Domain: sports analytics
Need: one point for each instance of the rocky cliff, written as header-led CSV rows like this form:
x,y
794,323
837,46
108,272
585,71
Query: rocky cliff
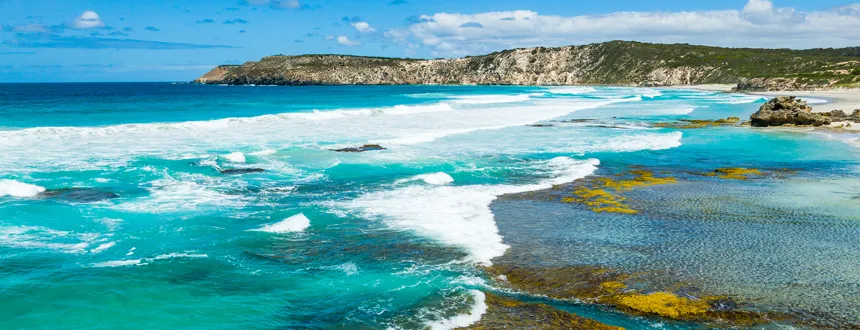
x,y
610,63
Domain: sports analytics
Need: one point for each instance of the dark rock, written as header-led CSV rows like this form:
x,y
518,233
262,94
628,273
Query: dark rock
x,y
79,195
835,114
578,120
366,147
237,171
541,125
506,313
787,110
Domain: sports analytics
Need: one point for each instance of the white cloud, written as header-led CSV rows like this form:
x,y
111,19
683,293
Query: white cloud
x,y
397,35
758,24
363,27
88,20
343,40
30,28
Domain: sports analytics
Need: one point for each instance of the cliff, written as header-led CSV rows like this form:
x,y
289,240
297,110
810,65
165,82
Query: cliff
x,y
610,63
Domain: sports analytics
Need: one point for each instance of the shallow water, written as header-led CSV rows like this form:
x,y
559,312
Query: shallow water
x,y
154,235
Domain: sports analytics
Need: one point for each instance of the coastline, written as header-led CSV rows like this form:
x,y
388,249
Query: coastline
x,y
846,100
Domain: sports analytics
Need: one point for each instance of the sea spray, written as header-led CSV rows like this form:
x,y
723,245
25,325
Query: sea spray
x,y
293,224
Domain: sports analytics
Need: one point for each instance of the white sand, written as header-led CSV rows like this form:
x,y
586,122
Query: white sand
x,y
709,87
843,99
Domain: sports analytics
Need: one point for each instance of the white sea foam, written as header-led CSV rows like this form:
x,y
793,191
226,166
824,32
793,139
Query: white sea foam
x,y
32,237
236,157
460,215
293,224
118,263
103,247
180,255
463,320
19,189
146,261
490,99
266,152
814,101
571,90
172,195
440,178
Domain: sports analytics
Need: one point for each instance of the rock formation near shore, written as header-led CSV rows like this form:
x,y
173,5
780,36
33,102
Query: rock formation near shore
x,y
790,110
610,63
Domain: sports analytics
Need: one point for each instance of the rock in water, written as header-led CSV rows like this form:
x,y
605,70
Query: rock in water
x,y
237,171
366,147
787,110
79,195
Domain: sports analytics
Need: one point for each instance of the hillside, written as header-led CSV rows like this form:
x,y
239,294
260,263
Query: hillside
x,y
610,63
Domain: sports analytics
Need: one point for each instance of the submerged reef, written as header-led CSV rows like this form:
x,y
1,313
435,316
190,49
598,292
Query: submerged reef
x,y
630,293
506,313
602,194
697,123
735,173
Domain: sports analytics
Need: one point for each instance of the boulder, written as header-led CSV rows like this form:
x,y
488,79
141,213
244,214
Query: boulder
x,y
366,147
787,110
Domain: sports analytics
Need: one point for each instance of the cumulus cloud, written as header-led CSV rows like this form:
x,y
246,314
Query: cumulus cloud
x,y
758,24
363,27
343,40
88,20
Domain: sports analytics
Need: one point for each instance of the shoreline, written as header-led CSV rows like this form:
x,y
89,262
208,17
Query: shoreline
x,y
839,99
846,100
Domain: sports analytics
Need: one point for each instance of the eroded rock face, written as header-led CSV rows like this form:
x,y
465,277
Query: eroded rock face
x,y
787,110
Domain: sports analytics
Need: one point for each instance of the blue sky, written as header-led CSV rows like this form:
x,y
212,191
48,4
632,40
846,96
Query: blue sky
x,y
158,40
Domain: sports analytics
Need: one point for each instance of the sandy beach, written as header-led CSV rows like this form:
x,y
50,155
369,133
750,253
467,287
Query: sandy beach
x,y
844,99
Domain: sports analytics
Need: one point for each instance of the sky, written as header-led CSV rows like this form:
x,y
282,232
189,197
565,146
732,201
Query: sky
x,y
178,40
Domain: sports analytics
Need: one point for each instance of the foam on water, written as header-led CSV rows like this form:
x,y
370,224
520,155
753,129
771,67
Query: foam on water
x,y
31,237
440,178
19,189
236,157
463,320
266,152
572,90
460,215
293,224
490,99
172,195
146,261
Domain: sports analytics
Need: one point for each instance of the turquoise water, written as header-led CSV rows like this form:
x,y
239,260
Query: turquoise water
x,y
113,212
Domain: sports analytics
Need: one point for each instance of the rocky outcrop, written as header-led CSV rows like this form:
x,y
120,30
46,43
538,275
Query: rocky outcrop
x,y
787,110
610,63
366,147
839,115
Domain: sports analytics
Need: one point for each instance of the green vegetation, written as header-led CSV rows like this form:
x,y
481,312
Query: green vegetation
x,y
609,63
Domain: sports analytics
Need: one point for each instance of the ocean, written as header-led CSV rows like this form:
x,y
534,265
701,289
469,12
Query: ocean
x,y
156,205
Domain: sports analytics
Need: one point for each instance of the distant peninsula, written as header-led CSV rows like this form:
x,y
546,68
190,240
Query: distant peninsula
x,y
619,63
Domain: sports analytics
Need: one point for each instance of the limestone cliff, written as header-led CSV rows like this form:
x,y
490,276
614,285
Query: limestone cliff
x,y
610,63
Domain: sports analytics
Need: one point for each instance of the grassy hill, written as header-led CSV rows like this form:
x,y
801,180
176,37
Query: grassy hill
x,y
610,63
